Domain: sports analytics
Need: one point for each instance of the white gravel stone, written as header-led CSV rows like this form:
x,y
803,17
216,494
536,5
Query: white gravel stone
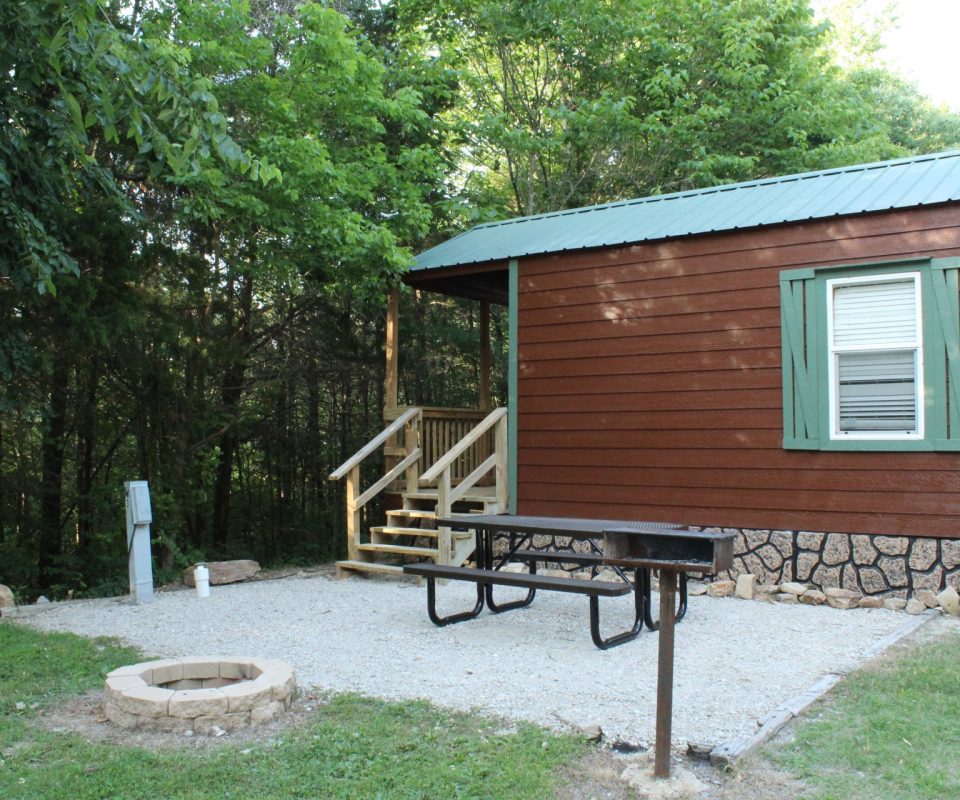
x,y
536,664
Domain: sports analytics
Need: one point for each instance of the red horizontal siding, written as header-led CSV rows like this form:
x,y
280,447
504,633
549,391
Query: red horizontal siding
x,y
649,386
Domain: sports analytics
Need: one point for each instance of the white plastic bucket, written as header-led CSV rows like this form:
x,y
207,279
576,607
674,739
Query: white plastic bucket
x,y
201,577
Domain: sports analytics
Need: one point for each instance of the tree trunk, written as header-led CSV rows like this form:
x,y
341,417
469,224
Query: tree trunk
x,y
86,438
51,480
231,393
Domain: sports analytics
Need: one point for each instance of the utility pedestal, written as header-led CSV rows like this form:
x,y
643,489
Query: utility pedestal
x,y
139,518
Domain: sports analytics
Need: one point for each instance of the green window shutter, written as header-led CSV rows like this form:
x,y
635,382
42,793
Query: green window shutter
x,y
798,327
943,352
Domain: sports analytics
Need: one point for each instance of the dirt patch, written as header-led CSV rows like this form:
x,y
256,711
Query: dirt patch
x,y
84,717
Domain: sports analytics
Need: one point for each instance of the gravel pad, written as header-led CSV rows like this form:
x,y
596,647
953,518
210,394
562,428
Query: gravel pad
x,y
735,660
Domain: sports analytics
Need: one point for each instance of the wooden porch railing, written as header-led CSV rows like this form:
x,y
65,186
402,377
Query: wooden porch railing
x,y
409,422
450,491
441,429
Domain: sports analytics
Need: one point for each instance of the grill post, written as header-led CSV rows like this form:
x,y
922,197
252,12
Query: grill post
x,y
668,590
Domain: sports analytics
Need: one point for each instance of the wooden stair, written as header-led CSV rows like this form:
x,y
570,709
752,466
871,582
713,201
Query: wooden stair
x,y
410,534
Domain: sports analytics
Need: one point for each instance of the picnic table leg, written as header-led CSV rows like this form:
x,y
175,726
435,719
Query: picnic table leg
x,y
668,588
639,604
461,617
498,608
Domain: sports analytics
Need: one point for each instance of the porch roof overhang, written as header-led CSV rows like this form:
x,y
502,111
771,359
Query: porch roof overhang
x,y
487,281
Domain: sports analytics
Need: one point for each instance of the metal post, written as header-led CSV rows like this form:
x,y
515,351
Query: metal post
x,y
139,517
668,591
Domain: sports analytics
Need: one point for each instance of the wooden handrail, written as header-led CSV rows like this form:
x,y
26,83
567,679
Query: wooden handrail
x,y
462,446
373,444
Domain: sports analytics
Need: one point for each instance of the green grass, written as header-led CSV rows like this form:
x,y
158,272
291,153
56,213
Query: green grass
x,y
891,732
354,748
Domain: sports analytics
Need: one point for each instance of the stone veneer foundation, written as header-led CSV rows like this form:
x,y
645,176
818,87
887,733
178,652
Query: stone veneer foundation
x,y
882,566
203,695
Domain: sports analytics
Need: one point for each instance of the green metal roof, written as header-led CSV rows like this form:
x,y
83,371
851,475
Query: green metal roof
x,y
861,189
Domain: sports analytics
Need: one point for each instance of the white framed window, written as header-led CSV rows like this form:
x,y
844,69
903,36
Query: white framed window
x,y
875,357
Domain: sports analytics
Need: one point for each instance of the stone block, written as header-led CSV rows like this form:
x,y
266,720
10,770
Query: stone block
x,y
872,580
166,671
827,577
744,587
771,557
721,588
864,553
200,667
842,598
283,690
792,587
871,602
813,597
810,541
806,564
895,603
915,606
928,598
6,597
236,668
836,549
765,591
891,545
114,686
848,578
248,694
894,569
222,572
134,670
198,703
787,597
950,553
949,600
932,580
267,712
783,541
123,718
223,722
923,554
147,701
696,589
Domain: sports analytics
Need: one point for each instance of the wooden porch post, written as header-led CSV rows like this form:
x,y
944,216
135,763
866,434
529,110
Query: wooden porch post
x,y
485,355
393,347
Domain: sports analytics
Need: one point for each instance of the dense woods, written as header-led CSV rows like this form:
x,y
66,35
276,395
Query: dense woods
x,y
204,202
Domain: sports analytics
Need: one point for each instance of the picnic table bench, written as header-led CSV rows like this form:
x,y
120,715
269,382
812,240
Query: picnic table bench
x,y
520,530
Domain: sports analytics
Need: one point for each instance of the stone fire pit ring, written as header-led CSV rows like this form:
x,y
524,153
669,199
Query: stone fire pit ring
x,y
202,695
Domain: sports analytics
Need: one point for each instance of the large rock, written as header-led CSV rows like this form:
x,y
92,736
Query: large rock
x,y
949,601
6,597
813,597
744,588
720,588
915,607
790,587
224,571
842,598
928,598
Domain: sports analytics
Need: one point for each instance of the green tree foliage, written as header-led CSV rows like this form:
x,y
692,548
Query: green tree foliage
x,y
572,102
